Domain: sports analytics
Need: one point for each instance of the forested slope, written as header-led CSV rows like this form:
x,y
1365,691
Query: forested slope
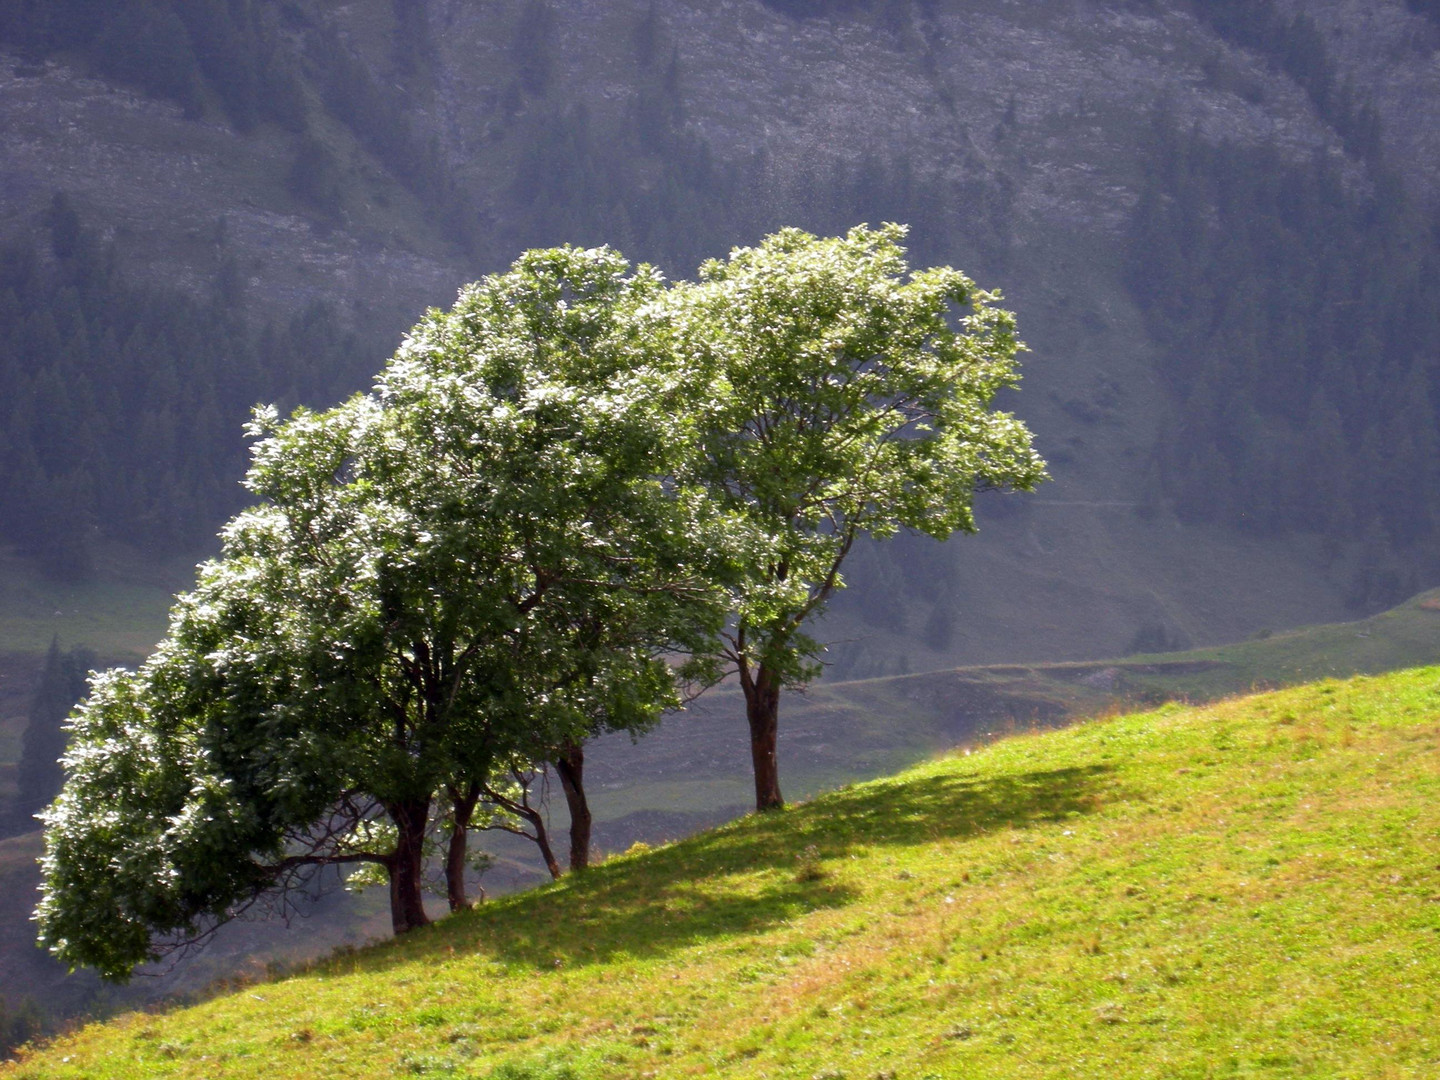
x,y
1215,221
1211,217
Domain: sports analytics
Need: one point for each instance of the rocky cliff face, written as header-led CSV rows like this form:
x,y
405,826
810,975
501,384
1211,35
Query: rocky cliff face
x,y
1392,54
176,194
1031,119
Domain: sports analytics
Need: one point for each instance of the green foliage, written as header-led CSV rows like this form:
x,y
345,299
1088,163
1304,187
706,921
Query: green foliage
x,y
566,476
846,396
477,565
112,842
846,403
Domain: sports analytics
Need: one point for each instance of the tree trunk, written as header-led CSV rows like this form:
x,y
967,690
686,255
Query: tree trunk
x,y
762,709
525,812
542,841
570,765
462,807
406,865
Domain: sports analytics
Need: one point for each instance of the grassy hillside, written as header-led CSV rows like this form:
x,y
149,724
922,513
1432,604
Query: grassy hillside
x,y
119,614
1248,888
842,732
691,774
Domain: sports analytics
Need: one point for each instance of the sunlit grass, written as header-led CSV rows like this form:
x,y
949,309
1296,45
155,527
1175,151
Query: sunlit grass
x,y
1246,889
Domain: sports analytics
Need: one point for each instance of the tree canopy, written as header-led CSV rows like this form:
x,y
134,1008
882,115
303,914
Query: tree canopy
x,y
472,565
846,395
556,493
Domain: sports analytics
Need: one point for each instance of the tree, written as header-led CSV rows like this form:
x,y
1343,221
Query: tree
x,y
843,394
461,572
256,743
628,562
147,45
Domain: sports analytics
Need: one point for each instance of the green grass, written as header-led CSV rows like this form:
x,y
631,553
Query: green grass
x,y
1243,889
842,732
1404,636
1407,635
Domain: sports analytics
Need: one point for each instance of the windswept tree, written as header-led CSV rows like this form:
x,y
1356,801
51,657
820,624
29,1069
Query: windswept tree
x,y
845,395
560,485
465,570
623,566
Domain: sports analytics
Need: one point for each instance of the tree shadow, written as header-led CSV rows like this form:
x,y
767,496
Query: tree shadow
x,y
682,894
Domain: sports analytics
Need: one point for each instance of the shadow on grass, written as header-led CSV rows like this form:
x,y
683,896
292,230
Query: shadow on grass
x,y
744,877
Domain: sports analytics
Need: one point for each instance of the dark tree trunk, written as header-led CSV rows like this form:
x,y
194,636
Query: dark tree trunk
x,y
542,841
762,709
525,812
570,765
406,865
463,806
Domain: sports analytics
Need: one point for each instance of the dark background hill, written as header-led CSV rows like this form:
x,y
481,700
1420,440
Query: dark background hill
x,y
1216,220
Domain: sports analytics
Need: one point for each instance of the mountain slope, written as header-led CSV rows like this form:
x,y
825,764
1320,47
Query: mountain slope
x,y
429,141
1247,888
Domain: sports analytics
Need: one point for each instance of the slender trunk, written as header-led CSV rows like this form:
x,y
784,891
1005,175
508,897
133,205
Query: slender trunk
x,y
542,841
570,765
762,710
525,812
462,807
405,866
